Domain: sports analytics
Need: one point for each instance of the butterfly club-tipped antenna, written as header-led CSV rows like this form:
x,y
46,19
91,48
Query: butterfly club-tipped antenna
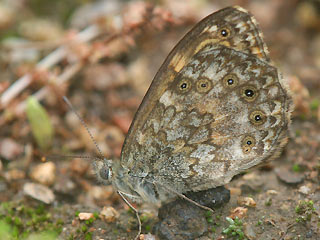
x,y
83,124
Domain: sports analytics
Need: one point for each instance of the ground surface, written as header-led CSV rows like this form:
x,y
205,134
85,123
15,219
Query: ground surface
x,y
105,79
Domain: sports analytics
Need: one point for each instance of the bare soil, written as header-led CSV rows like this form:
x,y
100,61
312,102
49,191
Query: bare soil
x,y
278,201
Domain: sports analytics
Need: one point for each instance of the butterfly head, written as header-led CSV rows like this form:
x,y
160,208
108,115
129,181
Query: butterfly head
x,y
103,169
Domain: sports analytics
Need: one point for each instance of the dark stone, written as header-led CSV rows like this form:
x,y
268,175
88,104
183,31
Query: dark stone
x,y
181,219
212,198
309,234
289,177
252,185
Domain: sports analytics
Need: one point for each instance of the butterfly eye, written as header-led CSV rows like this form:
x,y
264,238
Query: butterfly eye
x,y
257,117
203,85
184,85
104,173
247,143
230,81
249,93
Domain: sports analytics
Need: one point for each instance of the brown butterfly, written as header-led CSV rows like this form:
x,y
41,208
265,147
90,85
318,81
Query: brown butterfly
x,y
216,107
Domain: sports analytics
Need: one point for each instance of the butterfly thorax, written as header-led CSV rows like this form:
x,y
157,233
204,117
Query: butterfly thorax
x,y
138,188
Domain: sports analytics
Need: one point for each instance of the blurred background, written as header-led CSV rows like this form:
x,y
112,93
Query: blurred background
x,y
103,56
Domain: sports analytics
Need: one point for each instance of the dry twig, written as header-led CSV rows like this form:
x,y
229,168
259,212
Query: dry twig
x,y
97,50
16,88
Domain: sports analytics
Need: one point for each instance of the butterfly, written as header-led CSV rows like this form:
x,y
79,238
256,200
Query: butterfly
x,y
216,107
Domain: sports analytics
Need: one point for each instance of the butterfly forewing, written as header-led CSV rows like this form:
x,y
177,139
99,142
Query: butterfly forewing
x,y
243,35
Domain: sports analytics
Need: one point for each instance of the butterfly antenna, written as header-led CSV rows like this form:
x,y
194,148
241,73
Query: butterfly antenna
x,y
84,124
69,156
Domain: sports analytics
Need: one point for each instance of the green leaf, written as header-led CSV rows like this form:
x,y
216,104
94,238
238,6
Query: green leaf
x,y
230,220
5,230
41,126
47,235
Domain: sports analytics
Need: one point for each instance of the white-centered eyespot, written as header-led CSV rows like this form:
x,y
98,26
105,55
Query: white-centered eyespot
x,y
230,81
247,143
257,117
203,85
249,93
184,85
224,32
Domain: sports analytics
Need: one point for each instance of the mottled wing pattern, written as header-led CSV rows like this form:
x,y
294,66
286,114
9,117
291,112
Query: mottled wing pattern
x,y
243,36
215,108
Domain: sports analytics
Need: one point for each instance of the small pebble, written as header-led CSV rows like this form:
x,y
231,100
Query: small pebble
x,y
14,174
109,214
44,173
85,216
289,177
272,192
239,212
246,201
147,237
304,190
39,192
10,149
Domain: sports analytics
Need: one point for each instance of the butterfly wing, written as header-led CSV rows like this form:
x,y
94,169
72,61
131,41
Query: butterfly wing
x,y
243,35
215,107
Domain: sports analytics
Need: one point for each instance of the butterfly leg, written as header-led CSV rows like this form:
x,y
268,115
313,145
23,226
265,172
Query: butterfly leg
x,y
135,210
183,197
